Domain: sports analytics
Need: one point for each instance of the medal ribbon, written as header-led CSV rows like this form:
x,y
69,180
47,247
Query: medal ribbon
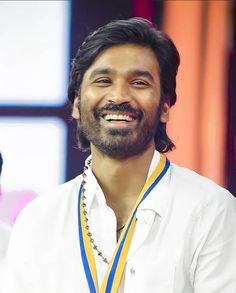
x,y
116,266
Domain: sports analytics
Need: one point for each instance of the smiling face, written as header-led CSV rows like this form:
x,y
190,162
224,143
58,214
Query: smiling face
x,y
119,101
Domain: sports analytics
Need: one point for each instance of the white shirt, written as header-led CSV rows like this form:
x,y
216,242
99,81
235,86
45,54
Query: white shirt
x,y
5,231
184,240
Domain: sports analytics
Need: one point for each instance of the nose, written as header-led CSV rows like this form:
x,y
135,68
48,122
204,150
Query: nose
x,y
119,93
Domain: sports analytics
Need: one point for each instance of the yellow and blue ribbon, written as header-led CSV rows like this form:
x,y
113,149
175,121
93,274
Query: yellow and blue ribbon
x,y
116,266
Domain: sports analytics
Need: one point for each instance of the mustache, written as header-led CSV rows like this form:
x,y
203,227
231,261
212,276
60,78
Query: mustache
x,y
118,108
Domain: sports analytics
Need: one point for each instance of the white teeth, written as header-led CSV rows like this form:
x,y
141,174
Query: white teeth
x,y
118,117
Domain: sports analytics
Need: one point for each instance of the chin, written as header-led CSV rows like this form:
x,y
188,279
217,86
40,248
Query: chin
x,y
122,150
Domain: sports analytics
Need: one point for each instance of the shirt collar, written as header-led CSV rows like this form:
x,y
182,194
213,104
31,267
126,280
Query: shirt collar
x,y
93,192
158,199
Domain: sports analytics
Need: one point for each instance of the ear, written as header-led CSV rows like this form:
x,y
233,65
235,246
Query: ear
x,y
75,110
164,117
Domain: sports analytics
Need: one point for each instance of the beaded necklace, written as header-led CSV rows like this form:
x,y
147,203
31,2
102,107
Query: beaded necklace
x,y
85,212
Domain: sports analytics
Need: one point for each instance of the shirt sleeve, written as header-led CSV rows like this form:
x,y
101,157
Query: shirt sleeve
x,y
214,261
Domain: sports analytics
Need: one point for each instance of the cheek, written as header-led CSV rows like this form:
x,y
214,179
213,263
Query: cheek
x,y
93,94
153,112
148,98
151,106
87,107
87,100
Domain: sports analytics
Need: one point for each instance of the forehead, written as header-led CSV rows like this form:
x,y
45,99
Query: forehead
x,y
126,57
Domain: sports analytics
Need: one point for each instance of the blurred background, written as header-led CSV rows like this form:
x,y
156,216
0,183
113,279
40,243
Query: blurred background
x,y
37,134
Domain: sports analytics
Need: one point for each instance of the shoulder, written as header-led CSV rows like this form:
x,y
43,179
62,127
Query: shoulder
x,y
198,191
44,219
52,199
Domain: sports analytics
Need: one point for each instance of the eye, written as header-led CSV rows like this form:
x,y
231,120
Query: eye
x,y
140,83
102,81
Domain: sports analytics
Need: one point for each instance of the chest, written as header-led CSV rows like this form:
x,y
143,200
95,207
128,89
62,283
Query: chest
x,y
156,261
157,258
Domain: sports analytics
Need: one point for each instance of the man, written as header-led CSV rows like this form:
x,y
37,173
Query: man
x,y
132,222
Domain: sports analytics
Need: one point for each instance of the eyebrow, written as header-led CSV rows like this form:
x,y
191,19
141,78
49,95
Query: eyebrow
x,y
144,73
100,71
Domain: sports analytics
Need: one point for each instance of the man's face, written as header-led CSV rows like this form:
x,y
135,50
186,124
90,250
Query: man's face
x,y
119,103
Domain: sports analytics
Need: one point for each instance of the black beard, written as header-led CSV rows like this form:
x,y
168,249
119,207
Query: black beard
x,y
117,149
126,150
118,143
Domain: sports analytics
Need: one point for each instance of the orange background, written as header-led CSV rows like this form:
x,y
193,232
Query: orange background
x,y
198,120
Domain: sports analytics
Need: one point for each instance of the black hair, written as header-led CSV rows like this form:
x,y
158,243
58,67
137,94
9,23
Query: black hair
x,y
1,162
136,31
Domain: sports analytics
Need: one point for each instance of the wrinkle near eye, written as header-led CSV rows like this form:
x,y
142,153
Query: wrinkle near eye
x,y
102,80
140,83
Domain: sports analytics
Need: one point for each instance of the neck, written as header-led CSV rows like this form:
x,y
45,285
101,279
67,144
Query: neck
x,y
121,180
